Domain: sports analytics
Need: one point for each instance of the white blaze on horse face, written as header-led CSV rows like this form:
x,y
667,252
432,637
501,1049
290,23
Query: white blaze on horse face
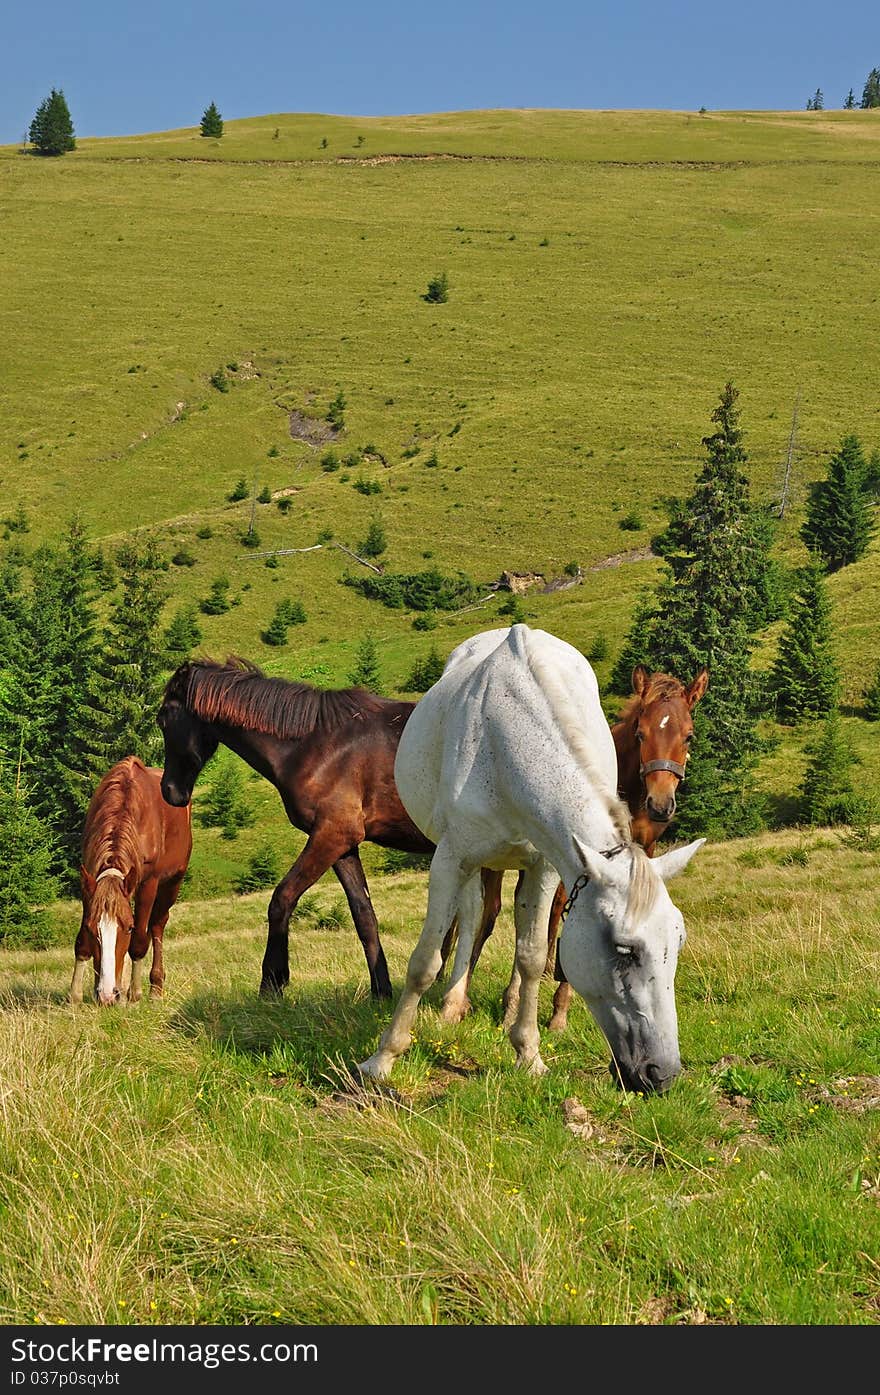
x,y
663,721
108,929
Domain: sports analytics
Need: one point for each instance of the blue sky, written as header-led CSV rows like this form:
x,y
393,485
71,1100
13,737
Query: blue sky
x,y
156,65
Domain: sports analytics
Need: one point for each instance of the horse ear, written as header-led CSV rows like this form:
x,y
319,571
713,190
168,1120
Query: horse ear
x,y
87,881
640,678
697,688
670,864
597,867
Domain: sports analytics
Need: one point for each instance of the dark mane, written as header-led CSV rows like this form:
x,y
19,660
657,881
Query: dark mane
x,y
660,687
237,693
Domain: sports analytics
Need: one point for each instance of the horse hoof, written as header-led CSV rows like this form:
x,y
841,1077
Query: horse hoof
x,y
374,1068
534,1066
271,990
557,1023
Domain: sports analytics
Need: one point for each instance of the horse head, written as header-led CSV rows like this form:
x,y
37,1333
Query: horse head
x,y
189,743
108,920
620,952
662,726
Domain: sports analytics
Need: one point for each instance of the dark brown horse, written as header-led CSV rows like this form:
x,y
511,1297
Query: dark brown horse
x,y
134,846
330,755
652,737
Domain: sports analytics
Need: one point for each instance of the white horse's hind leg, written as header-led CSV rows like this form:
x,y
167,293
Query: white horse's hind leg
x,y
444,888
531,914
470,910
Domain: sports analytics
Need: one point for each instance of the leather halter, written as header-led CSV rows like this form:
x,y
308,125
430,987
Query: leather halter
x,y
584,878
671,765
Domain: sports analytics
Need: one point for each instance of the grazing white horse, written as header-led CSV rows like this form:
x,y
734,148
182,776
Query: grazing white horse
x,y
508,762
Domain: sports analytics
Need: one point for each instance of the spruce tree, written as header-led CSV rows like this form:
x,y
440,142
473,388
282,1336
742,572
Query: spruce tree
x,y
871,478
182,635
872,699
635,647
424,673
62,625
225,804
365,673
827,794
26,881
838,524
871,90
805,678
375,543
276,631
702,617
51,130
849,101
212,122
127,682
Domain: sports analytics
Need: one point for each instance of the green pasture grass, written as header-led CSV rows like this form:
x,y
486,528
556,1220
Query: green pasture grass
x,y
604,285
573,136
203,1159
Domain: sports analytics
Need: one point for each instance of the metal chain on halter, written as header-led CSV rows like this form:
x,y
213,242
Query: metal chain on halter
x,y
582,882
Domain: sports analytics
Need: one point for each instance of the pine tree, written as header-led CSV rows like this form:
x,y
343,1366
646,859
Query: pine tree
x,y
424,673
635,646
871,90
182,635
262,871
13,648
212,122
871,478
838,524
827,794
872,699
225,804
51,130
276,631
375,543
702,610
62,626
26,881
849,100
365,673
128,678
805,677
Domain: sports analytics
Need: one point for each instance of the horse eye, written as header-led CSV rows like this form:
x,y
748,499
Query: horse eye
x,y
626,955
689,738
640,736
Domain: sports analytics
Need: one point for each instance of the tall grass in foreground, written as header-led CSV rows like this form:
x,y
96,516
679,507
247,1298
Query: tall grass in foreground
x,y
200,1160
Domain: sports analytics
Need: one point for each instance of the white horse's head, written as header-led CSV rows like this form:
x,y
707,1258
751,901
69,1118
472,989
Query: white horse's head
x,y
619,951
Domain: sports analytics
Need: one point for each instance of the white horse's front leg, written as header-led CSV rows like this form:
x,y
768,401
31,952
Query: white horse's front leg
x,y
470,911
444,889
531,914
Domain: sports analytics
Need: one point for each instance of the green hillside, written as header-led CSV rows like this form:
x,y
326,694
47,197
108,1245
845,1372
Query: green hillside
x,y
609,271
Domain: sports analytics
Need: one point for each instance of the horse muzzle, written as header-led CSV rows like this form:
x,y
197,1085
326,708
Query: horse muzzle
x,y
173,795
647,1079
107,999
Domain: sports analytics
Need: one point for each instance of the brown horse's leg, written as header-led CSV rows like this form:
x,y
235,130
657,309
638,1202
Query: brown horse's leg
x,y
351,876
165,899
563,995
82,953
491,880
144,900
319,853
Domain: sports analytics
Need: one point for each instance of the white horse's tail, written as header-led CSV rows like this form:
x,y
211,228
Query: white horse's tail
x,y
560,705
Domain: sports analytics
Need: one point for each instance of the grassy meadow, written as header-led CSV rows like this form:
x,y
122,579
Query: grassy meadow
x,y
203,1159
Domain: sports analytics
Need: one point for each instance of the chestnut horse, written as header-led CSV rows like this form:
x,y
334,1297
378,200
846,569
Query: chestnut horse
x,y
652,737
134,845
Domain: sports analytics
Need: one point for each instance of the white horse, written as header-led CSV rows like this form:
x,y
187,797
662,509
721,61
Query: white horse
x,y
508,762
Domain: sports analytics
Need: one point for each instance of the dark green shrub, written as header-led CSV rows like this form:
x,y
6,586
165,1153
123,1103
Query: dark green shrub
x,y
438,289
239,491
